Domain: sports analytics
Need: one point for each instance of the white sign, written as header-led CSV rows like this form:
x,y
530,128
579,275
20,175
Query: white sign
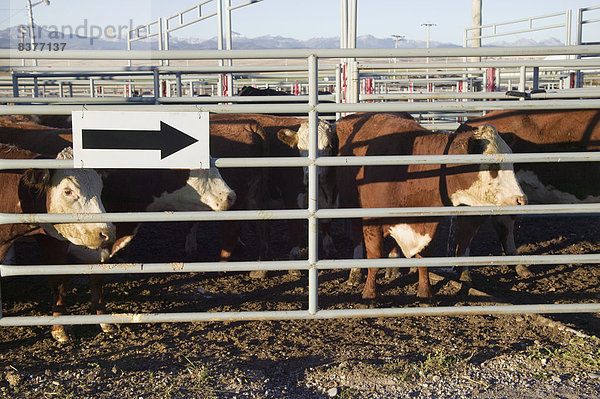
x,y
139,139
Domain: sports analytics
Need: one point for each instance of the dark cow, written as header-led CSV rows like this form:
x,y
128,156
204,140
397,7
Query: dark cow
x,y
124,191
416,185
568,183
52,191
288,137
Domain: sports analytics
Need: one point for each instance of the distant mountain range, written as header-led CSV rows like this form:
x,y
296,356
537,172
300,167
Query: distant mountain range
x,y
11,37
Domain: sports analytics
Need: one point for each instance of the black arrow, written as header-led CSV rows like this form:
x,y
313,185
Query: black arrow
x,y
168,139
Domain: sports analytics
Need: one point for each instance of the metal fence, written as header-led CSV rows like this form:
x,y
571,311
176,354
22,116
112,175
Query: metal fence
x,y
312,213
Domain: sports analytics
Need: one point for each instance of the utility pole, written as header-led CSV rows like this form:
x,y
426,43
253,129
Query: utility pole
x,y
31,29
428,25
397,39
31,25
476,23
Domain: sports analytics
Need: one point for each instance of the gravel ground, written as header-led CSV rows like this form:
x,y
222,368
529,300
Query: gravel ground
x,y
508,356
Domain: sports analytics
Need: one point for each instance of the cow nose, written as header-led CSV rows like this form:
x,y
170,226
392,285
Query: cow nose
x,y
231,198
520,200
107,235
104,237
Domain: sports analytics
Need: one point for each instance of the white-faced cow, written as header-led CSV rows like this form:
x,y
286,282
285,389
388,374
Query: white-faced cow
x,y
288,136
124,191
544,183
416,185
52,191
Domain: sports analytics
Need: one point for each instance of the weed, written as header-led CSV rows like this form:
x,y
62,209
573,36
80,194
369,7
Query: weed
x,y
204,381
580,354
436,363
348,393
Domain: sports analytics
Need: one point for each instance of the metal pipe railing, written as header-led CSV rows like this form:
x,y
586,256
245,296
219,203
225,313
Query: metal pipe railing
x,y
305,108
129,318
304,53
312,214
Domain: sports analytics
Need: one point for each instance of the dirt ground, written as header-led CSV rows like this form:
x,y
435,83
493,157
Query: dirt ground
x,y
513,356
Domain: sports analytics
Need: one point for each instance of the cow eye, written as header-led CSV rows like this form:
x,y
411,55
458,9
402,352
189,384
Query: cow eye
x,y
68,192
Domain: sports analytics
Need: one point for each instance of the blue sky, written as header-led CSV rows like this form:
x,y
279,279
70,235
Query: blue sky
x,y
296,19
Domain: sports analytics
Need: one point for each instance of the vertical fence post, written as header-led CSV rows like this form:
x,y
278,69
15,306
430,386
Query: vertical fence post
x,y
313,228
15,84
36,88
568,18
522,79
156,82
160,37
178,84
338,88
536,78
128,46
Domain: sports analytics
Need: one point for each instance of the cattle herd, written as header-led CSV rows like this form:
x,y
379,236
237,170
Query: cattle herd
x,y
259,135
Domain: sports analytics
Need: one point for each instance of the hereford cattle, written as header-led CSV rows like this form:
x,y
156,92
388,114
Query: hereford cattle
x,y
288,137
531,131
416,185
124,191
52,191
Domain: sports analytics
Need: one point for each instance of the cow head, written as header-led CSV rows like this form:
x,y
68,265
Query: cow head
x,y
73,191
327,146
493,184
204,190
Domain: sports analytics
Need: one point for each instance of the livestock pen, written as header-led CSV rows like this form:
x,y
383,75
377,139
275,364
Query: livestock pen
x,y
447,102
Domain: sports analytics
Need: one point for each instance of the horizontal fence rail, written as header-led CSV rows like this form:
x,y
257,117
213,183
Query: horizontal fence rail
x,y
302,53
130,318
312,105
206,267
304,108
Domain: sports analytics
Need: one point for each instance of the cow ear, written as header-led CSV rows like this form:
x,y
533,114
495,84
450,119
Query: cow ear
x,y
288,137
465,128
38,178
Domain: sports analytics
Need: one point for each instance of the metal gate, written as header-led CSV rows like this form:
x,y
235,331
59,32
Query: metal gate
x,y
458,103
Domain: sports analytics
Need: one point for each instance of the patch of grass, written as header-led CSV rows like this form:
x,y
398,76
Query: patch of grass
x,y
165,387
204,381
348,393
437,363
580,354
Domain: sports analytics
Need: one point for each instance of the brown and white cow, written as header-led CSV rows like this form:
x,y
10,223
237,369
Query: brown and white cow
x,y
288,137
124,191
534,131
52,191
416,185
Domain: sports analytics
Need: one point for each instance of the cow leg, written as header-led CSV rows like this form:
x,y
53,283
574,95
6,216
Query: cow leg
x,y
295,230
505,228
191,243
373,236
98,303
328,245
355,277
54,252
261,229
466,228
230,232
393,272
424,290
